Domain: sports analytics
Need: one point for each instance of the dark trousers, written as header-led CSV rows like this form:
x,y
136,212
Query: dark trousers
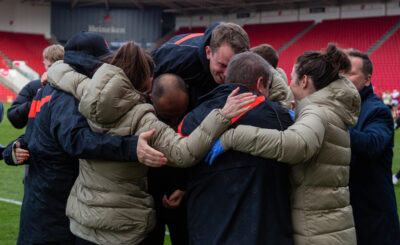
x,y
175,219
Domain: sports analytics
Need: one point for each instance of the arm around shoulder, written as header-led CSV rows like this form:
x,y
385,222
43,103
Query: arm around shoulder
x,y
299,143
187,151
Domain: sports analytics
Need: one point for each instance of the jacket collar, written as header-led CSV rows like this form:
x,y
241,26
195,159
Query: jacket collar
x,y
223,89
341,96
82,62
202,48
366,91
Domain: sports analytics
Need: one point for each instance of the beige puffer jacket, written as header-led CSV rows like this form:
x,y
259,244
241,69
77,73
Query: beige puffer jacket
x,y
319,144
280,91
283,75
109,203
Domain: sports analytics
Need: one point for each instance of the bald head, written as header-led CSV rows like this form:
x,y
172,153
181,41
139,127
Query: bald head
x,y
170,98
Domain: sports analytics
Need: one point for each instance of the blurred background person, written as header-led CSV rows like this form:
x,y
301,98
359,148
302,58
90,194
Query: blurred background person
x,y
395,101
371,190
387,99
17,114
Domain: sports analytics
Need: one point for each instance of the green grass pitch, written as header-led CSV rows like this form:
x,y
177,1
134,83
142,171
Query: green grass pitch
x,y
11,186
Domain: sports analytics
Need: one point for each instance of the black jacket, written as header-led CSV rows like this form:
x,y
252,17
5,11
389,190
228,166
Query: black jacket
x,y
371,189
56,136
18,112
1,111
187,58
240,199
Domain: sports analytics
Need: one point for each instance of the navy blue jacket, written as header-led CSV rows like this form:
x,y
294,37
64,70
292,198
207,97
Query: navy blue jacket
x,y
185,55
371,188
56,135
18,112
1,119
240,199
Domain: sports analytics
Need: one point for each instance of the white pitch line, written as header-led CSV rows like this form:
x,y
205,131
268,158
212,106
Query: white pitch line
x,y
10,201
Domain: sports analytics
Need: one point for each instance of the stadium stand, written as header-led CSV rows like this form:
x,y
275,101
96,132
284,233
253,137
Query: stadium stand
x,y
276,34
3,63
27,47
6,95
360,33
386,62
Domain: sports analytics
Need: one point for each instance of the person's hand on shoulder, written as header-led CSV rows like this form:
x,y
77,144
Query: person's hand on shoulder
x,y
148,155
237,104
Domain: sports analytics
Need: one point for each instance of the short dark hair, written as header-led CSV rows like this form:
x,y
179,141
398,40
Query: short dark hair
x,y
268,53
245,69
367,67
231,34
158,89
322,67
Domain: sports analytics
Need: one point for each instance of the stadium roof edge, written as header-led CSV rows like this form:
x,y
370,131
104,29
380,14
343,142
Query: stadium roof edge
x,y
189,7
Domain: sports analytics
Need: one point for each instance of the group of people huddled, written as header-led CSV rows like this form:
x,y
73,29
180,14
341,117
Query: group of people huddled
x,y
217,146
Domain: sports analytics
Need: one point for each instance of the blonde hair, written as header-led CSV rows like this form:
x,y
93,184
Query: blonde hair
x,y
53,53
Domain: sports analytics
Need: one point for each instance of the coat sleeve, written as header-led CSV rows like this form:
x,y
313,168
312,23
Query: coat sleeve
x,y
278,91
7,154
299,143
18,112
75,137
375,136
186,151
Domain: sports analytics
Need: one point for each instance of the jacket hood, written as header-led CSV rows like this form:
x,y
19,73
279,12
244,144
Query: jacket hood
x,y
341,96
202,48
109,95
82,62
63,77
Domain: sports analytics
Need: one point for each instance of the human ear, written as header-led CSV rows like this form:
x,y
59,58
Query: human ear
x,y
208,52
368,81
261,88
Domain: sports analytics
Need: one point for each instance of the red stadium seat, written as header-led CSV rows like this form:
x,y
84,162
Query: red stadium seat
x,y
386,61
27,47
359,33
276,34
6,95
